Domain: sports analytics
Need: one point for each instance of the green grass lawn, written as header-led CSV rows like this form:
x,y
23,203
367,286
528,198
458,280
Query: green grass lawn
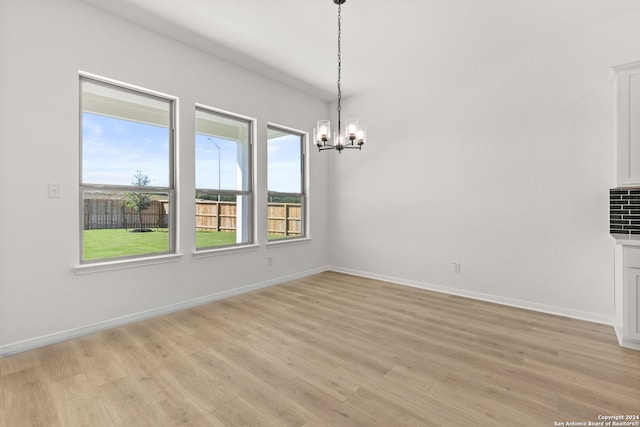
x,y
207,239
115,243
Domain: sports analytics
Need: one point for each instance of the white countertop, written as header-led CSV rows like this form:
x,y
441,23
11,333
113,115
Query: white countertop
x,y
627,239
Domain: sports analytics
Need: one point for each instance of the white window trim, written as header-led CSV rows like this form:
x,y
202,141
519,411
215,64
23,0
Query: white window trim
x,y
289,241
120,264
225,250
239,247
105,264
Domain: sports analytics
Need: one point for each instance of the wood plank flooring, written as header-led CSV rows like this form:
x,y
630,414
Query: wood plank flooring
x,y
328,350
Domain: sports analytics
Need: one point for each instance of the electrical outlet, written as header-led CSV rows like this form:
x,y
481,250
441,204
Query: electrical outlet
x,y
456,267
54,190
269,261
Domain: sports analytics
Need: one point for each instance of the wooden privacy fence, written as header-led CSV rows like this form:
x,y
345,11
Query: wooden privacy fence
x,y
111,213
215,216
283,219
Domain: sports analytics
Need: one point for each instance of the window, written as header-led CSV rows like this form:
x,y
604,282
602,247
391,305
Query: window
x,y
285,183
126,172
224,191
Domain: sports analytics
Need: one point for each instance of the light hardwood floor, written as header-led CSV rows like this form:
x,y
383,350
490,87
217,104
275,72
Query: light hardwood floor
x,y
328,350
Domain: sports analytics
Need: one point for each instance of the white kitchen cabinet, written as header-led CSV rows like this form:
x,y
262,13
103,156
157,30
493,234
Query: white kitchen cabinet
x,y
627,295
631,300
628,126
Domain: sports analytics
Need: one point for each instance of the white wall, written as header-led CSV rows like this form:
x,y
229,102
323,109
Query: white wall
x,y
43,46
500,162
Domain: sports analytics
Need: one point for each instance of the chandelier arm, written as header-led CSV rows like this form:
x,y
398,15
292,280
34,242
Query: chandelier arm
x,y
328,147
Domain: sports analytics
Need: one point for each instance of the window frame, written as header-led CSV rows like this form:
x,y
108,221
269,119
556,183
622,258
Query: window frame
x,y
170,190
304,196
249,193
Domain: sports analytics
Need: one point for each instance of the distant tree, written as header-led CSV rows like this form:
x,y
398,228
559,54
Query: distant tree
x,y
136,200
284,199
216,197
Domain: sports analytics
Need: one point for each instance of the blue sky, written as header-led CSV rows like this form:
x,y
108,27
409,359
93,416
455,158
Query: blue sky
x,y
283,166
114,149
207,163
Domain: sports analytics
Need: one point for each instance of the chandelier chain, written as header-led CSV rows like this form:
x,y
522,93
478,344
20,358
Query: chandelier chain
x,y
339,62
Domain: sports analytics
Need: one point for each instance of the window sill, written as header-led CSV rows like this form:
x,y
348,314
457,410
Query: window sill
x,y
126,263
225,251
292,241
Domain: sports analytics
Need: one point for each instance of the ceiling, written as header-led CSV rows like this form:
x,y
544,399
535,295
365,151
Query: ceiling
x,y
295,41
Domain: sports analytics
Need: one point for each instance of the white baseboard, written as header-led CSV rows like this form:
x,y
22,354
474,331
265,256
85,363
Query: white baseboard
x,y
527,305
29,344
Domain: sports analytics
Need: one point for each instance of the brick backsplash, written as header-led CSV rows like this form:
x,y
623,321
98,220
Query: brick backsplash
x,y
624,210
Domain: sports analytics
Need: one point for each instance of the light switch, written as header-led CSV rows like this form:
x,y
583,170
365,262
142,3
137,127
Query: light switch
x,y
54,190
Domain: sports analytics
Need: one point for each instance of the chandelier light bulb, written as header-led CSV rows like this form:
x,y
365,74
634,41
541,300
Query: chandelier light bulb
x,y
323,130
361,135
316,138
352,128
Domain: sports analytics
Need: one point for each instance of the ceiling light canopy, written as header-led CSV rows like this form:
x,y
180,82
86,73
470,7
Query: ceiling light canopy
x,y
354,135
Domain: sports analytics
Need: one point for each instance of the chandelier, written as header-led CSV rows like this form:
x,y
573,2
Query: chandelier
x,y
354,135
